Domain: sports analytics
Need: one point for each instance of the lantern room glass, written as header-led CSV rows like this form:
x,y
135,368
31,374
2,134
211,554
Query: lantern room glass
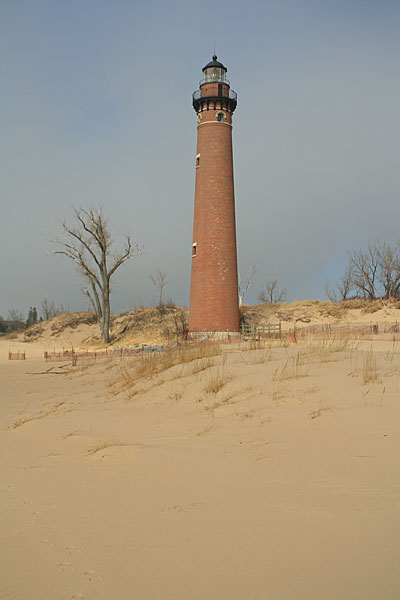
x,y
214,74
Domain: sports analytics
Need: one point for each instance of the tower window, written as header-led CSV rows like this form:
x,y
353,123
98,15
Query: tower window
x,y
220,117
197,161
194,249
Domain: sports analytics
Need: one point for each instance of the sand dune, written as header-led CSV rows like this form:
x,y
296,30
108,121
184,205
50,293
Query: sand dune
x,y
150,326
264,473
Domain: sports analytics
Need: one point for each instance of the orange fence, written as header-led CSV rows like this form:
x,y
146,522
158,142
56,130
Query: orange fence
x,y
16,355
389,331
74,357
57,356
371,331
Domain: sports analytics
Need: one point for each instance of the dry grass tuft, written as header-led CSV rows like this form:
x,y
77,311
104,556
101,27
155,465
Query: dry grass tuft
x,y
293,368
200,365
322,350
318,412
102,445
216,382
370,369
69,434
43,414
148,366
259,357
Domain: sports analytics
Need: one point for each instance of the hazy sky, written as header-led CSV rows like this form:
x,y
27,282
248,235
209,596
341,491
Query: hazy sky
x,y
95,108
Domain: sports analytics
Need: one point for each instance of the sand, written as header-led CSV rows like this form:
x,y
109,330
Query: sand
x,y
284,484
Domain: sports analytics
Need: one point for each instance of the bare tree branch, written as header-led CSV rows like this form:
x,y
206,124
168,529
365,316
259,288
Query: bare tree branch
x,y
373,272
271,293
364,266
330,292
160,281
248,283
88,245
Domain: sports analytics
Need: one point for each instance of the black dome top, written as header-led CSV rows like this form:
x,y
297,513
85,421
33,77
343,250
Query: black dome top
x,y
214,63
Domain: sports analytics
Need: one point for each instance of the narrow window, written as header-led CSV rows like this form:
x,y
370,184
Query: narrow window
x,y
220,117
194,249
197,161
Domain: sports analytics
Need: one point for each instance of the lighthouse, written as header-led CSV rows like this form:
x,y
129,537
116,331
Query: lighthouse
x,y
214,306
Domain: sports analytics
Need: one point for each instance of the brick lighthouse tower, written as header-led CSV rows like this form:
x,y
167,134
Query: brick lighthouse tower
x,y
214,307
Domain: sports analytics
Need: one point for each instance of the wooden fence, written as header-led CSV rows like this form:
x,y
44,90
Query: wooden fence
x,y
257,332
16,355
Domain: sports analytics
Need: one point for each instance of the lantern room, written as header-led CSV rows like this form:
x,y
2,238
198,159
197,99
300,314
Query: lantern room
x,y
214,71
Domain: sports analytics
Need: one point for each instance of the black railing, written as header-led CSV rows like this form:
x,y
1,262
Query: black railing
x,y
216,80
232,95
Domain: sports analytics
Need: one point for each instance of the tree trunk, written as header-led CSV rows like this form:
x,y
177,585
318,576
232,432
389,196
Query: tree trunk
x,y
105,319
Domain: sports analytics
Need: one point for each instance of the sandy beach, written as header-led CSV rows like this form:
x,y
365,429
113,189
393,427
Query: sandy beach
x,y
263,473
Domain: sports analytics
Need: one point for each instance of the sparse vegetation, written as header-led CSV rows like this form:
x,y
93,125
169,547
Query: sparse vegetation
x,y
41,415
216,382
292,368
370,369
318,412
148,366
103,445
322,350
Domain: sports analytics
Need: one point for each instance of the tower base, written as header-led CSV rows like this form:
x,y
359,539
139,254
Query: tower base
x,y
215,335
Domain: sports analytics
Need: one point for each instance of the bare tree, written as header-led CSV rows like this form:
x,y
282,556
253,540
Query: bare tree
x,y
15,315
342,289
371,273
136,302
271,293
159,280
50,310
88,243
32,316
345,284
364,266
330,292
243,290
389,268
178,328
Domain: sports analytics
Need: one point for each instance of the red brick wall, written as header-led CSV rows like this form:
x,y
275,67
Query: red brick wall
x,y
214,286
211,89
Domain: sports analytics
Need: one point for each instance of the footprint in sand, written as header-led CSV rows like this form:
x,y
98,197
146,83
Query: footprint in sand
x,y
73,550
78,596
66,566
47,543
93,576
183,508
